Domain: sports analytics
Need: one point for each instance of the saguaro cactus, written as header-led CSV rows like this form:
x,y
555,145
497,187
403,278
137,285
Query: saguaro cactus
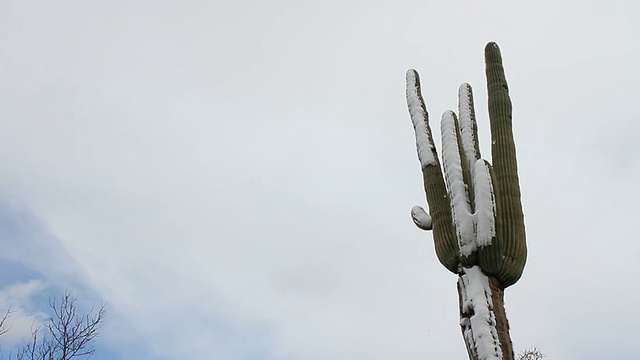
x,y
475,211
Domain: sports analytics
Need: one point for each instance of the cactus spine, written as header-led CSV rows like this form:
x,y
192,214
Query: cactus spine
x,y
475,210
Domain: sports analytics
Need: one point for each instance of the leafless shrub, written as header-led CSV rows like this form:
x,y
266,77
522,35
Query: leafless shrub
x,y
531,354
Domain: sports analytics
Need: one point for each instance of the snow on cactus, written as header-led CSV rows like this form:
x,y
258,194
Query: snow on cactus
x,y
477,320
421,218
475,210
418,113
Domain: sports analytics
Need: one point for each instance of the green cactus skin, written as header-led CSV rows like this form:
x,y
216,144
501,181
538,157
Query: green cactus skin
x,y
510,230
505,257
446,243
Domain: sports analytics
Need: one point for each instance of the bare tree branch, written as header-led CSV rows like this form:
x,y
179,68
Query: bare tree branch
x,y
3,320
68,334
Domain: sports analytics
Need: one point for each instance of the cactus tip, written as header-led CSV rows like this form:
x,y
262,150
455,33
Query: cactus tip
x,y
411,74
492,53
464,89
448,114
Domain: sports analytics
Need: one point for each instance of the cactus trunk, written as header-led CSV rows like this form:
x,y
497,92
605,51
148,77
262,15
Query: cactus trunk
x,y
483,321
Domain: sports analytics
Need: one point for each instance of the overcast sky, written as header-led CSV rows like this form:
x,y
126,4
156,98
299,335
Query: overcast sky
x,y
235,178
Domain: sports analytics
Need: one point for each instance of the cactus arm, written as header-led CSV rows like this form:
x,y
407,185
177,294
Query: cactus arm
x,y
468,137
420,119
510,219
454,173
485,213
421,218
468,126
446,244
490,252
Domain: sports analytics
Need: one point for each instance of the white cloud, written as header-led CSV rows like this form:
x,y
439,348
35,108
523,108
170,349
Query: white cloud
x,y
24,314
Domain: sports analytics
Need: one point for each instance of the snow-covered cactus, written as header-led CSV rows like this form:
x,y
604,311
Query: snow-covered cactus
x,y
474,210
